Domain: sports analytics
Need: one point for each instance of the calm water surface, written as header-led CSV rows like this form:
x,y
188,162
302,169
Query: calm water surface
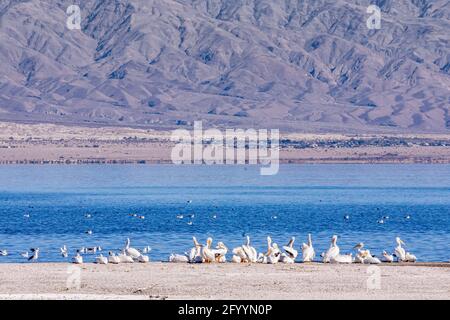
x,y
303,198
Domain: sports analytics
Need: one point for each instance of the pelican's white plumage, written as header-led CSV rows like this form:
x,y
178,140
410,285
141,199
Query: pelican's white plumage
x,y
250,251
77,259
101,259
124,258
273,253
195,255
290,251
207,252
308,253
129,251
143,259
333,251
64,251
113,258
236,258
387,257
220,252
179,258
410,257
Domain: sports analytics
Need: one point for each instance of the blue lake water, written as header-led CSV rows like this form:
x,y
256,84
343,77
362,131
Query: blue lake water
x,y
304,198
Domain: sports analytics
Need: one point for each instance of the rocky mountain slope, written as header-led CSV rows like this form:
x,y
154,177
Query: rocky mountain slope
x,y
297,65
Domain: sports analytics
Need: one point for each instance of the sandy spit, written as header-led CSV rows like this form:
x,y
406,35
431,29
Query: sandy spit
x,y
224,281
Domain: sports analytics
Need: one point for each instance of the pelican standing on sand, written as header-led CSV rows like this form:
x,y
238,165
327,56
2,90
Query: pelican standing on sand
x,y
35,255
101,259
308,253
195,255
273,253
208,253
399,250
179,258
333,251
113,258
342,258
410,257
64,251
250,252
132,252
387,257
291,253
78,259
124,258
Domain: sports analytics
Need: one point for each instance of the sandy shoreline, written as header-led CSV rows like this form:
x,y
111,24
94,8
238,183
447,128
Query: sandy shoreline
x,y
158,280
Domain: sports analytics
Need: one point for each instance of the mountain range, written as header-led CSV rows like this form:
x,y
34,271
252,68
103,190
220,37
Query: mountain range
x,y
296,65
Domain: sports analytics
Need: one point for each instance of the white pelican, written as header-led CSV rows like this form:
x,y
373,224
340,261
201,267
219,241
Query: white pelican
x,y
3,253
410,257
262,258
361,255
113,258
124,258
387,257
289,248
332,252
101,259
64,251
179,258
239,255
220,252
399,251
308,253
236,259
35,255
78,259
143,259
132,252
250,252
147,250
371,259
195,255
208,253
291,253
342,258
89,232
25,254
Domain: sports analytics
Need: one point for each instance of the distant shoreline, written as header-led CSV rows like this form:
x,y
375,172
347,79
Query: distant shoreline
x,y
58,144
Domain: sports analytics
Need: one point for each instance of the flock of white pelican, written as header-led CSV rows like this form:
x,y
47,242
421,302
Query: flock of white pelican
x,y
245,253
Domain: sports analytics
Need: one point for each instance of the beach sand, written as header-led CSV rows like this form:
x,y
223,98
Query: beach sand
x,y
159,280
